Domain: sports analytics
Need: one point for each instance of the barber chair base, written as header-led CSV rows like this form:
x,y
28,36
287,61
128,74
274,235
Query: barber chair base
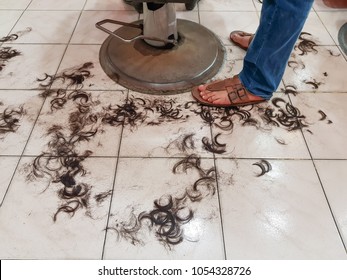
x,y
141,67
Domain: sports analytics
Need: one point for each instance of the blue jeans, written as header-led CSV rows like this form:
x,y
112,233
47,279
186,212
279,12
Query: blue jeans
x,y
281,22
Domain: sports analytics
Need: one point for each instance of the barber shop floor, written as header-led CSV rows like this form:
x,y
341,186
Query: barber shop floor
x,y
93,170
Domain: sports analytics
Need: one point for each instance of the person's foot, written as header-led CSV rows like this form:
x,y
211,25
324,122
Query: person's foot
x,y
241,39
225,93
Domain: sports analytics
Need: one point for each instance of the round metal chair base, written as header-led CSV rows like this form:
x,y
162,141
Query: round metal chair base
x,y
138,66
342,37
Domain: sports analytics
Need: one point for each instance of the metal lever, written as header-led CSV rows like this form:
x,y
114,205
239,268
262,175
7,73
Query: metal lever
x,y
139,26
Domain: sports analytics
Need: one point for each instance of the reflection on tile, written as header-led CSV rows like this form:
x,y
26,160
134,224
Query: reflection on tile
x,y
327,134
165,126
316,69
222,23
22,71
87,33
80,54
279,215
59,29
18,113
333,176
78,122
27,226
7,167
148,191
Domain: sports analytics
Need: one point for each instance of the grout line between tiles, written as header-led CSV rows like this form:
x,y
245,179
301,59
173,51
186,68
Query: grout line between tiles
x,y
113,187
219,199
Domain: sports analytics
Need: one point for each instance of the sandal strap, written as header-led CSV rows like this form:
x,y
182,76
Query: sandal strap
x,y
236,92
239,93
220,85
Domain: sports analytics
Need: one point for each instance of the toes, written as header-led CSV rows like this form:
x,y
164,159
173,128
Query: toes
x,y
202,88
209,96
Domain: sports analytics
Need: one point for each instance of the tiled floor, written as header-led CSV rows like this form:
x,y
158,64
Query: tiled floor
x,y
91,170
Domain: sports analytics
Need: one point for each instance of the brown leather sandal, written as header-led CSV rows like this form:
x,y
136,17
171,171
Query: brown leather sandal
x,y
238,95
242,34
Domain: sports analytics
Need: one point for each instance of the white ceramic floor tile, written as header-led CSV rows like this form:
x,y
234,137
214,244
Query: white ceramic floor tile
x,y
56,5
222,23
333,176
7,166
327,134
7,21
107,5
22,71
182,7
87,33
164,126
317,71
48,27
78,122
27,226
333,21
18,4
226,5
316,28
18,113
80,54
145,186
282,214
